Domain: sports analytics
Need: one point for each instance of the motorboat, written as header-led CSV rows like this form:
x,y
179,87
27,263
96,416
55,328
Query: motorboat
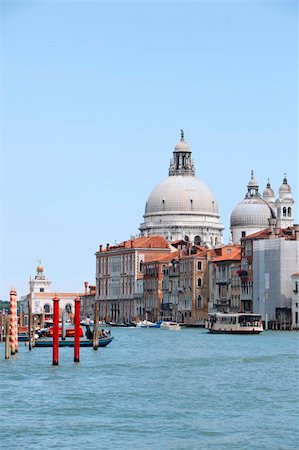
x,y
148,324
170,325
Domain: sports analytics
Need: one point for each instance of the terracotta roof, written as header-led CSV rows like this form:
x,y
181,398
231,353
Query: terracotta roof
x,y
141,242
296,274
164,258
235,255
287,233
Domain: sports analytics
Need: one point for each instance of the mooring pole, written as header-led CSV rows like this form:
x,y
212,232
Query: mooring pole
x,y
96,326
55,331
77,331
13,321
30,320
7,341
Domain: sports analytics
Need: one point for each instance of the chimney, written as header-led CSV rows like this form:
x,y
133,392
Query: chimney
x,y
272,223
276,231
86,287
132,243
108,247
101,248
296,229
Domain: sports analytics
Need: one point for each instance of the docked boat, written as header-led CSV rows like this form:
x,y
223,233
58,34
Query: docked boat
x,y
169,325
239,323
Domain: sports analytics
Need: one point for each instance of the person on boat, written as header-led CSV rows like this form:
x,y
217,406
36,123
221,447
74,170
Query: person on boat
x,y
104,333
88,333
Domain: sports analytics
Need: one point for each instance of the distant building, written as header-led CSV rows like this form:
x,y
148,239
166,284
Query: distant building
x,y
182,206
224,280
41,297
119,276
253,213
269,258
295,301
88,301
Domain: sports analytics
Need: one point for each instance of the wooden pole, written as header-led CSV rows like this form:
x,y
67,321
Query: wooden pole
x,y
7,342
77,331
96,326
63,325
55,331
13,322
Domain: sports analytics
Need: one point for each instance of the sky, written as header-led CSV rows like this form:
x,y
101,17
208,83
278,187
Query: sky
x,y
93,95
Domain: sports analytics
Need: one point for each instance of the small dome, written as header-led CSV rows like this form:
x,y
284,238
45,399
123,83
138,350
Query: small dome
x,y
252,212
268,193
40,269
285,190
182,146
252,182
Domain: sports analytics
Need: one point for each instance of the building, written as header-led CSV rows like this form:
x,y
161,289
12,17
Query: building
x,y
182,206
88,301
269,258
40,298
225,280
253,213
119,276
295,301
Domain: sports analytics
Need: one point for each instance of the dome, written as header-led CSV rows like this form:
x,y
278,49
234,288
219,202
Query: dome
x,y
251,212
285,190
268,192
39,268
181,194
181,206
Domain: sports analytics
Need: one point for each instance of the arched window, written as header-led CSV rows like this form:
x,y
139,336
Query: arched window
x,y
186,238
199,282
289,212
47,308
68,308
140,266
284,212
197,240
199,301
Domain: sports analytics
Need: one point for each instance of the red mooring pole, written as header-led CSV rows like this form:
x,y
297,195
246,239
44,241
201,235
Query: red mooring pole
x,y
77,331
55,331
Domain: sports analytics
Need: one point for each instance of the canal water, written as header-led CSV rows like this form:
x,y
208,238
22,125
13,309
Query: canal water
x,y
155,389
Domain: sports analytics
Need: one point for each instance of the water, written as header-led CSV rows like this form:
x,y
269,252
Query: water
x,y
155,389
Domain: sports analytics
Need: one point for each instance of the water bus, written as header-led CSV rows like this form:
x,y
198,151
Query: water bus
x,y
239,323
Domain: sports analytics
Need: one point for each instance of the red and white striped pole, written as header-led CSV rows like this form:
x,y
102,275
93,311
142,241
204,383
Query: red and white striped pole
x,y
55,331
77,331
13,321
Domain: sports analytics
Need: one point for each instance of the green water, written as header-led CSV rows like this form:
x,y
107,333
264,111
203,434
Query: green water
x,y
155,389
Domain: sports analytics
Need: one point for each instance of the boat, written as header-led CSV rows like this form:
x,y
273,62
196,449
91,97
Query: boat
x,y
148,324
239,323
69,342
170,325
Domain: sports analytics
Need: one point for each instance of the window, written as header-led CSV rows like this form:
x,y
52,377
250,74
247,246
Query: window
x,y
243,234
198,265
289,212
42,290
199,282
199,301
197,240
186,238
284,212
68,308
47,308
140,266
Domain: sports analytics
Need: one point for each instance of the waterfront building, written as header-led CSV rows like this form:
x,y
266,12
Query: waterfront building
x,y
268,260
225,280
119,276
295,301
253,213
153,275
40,297
88,301
182,206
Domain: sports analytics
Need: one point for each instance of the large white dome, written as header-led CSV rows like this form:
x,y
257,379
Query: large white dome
x,y
181,194
181,206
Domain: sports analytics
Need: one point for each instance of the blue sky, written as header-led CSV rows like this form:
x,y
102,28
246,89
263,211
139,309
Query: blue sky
x,y
93,97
